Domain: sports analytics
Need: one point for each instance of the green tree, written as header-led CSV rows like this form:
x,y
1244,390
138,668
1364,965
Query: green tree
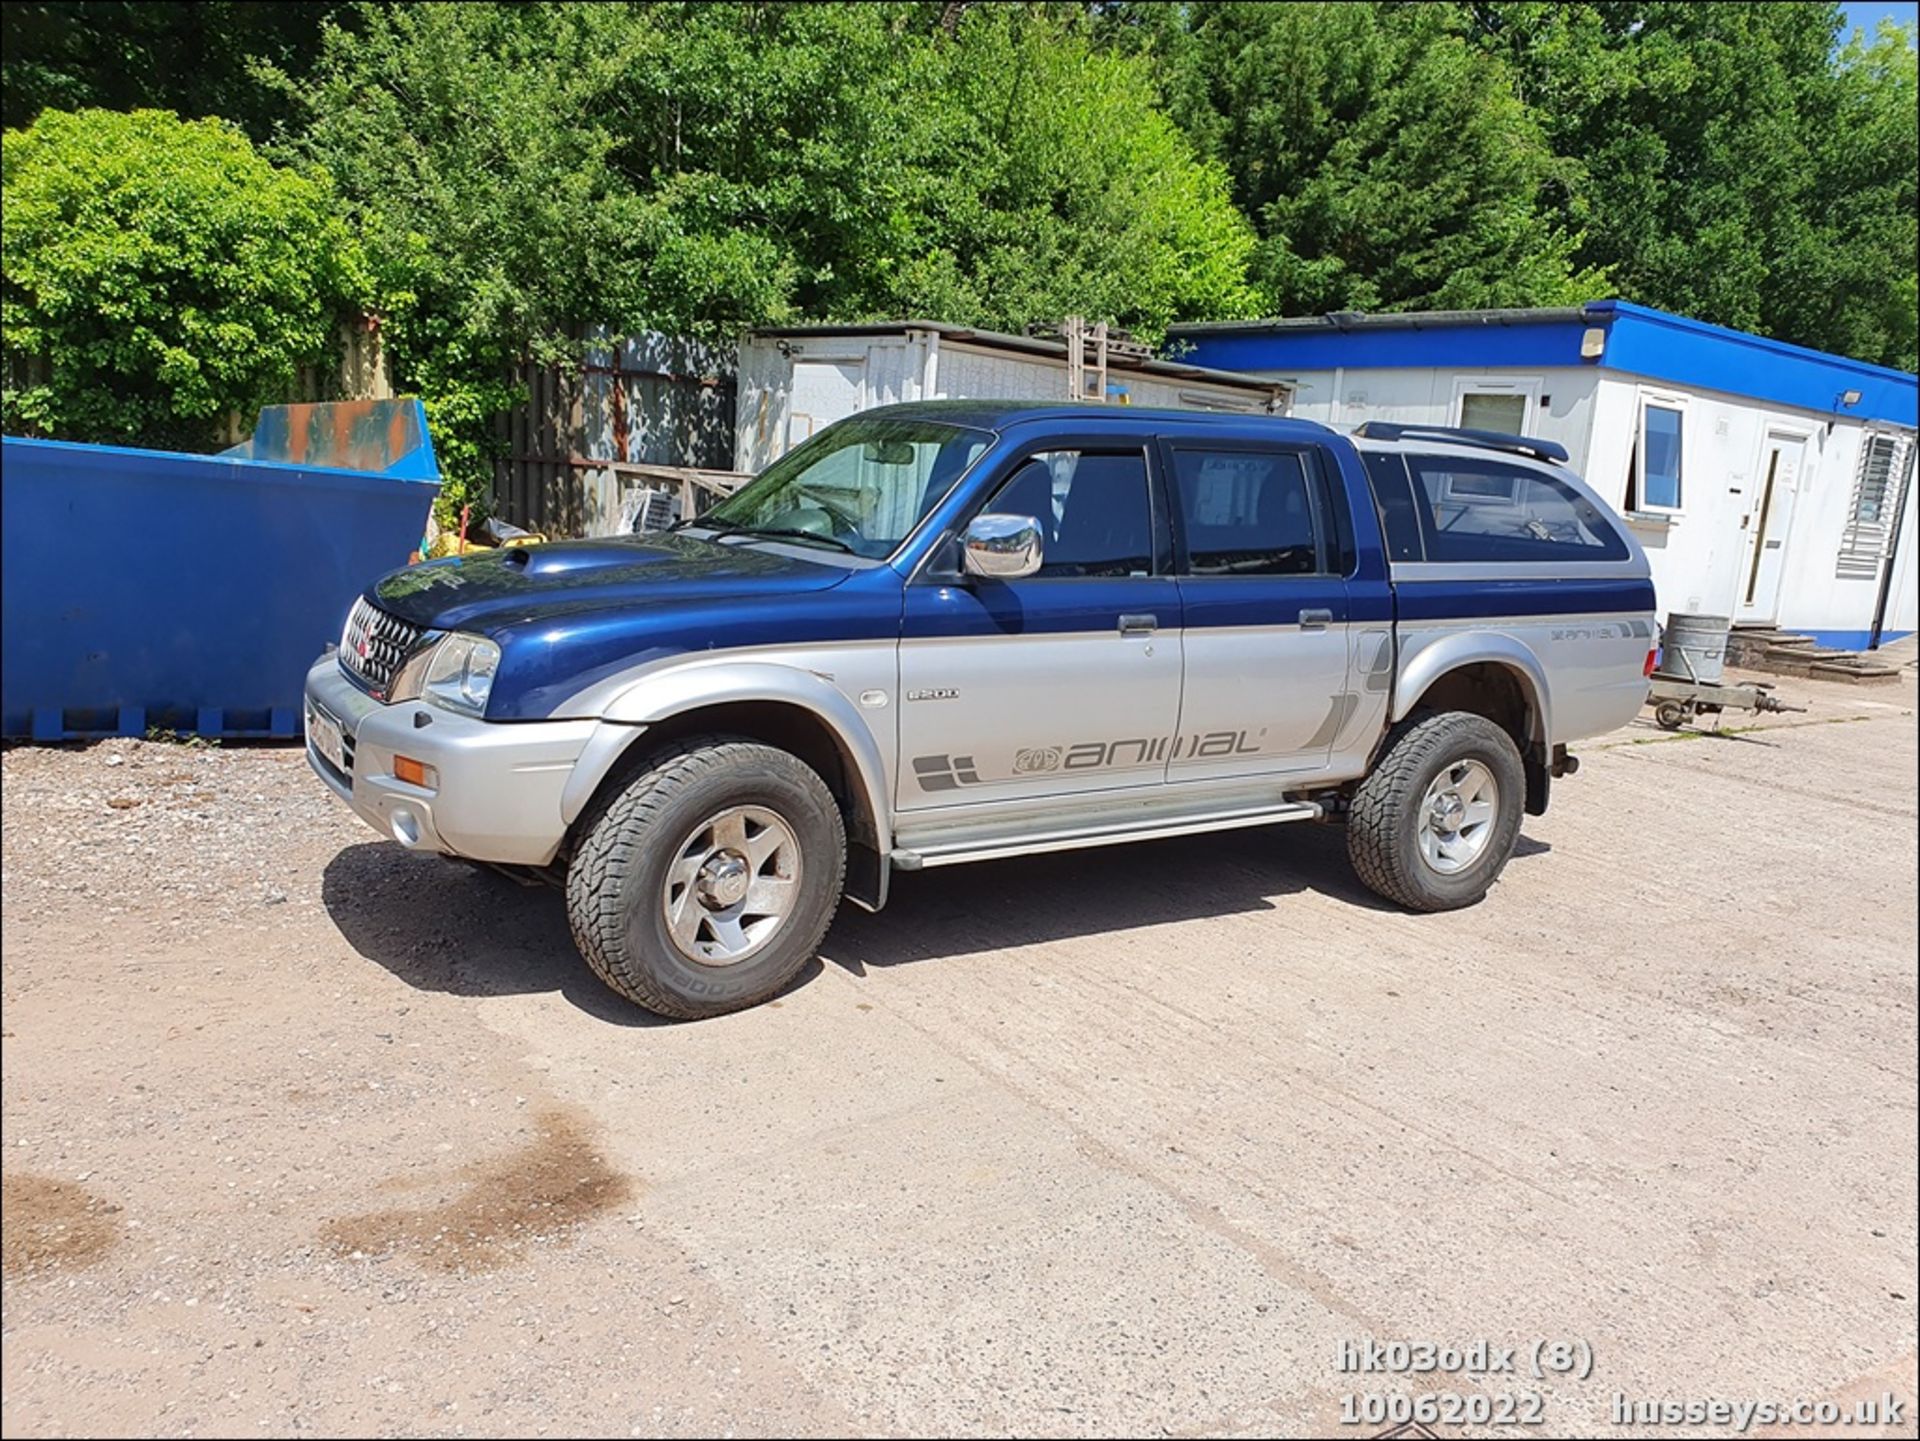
x,y
190,56
1387,163
156,274
1042,177
1854,285
1734,163
471,147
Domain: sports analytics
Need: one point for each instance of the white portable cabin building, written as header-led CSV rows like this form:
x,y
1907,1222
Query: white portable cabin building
x,y
1766,482
794,381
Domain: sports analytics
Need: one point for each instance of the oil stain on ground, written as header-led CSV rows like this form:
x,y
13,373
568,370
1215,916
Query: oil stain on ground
x,y
53,1223
536,1195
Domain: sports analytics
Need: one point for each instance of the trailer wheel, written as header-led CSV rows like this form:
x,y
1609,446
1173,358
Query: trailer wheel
x,y
707,883
1435,822
1670,715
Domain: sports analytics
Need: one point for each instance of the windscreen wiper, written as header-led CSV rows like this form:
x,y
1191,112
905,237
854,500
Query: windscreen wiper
x,y
777,533
728,527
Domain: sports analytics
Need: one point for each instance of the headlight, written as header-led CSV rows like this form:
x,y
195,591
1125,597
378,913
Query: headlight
x,y
460,673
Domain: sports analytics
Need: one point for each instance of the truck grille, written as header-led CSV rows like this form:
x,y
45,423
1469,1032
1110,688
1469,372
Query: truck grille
x,y
375,645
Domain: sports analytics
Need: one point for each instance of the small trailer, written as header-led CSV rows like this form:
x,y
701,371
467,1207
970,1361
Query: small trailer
x,y
1687,682
1678,699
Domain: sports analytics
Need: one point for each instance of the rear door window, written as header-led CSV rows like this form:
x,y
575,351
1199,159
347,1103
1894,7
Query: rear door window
x,y
1475,510
1247,512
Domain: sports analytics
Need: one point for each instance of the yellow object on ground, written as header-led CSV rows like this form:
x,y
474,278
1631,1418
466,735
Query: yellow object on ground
x,y
448,543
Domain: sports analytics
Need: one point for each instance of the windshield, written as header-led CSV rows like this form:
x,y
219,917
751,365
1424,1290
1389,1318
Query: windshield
x,y
861,485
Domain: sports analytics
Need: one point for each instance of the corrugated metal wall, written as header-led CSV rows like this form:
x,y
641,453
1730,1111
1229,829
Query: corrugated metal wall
x,y
917,365
619,417
760,412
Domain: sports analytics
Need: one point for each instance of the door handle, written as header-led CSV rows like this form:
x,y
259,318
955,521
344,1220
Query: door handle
x,y
1139,624
1315,619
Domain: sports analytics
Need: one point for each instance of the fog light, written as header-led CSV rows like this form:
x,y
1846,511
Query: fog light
x,y
415,773
406,829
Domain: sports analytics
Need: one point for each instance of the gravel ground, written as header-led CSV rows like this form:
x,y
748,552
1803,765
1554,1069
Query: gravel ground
x,y
306,1135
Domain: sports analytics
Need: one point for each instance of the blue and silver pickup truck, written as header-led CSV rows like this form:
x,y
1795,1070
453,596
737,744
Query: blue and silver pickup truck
x,y
960,631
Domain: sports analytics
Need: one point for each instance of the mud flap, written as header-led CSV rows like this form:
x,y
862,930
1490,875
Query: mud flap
x,y
867,875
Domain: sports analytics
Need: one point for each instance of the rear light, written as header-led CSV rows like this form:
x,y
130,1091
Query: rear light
x,y
1652,656
415,773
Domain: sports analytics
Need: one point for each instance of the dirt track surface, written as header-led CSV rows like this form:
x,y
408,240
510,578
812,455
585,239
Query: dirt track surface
x,y
307,1135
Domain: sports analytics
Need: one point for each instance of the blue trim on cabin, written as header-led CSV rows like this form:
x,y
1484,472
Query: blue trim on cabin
x,y
1687,352
1851,639
1466,346
1638,341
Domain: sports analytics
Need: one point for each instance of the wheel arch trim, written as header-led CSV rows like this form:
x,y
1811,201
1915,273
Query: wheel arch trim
x,y
1454,652
663,695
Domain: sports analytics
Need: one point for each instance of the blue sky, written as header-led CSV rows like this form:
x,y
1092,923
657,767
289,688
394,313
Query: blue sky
x,y
1868,16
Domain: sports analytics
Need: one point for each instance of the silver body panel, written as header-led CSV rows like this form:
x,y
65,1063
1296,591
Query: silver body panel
x,y
499,786
994,718
1586,672
1281,690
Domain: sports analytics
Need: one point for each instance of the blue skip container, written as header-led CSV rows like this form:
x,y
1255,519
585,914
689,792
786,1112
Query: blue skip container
x,y
148,588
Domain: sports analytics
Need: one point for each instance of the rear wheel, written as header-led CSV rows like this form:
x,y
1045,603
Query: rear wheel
x,y
707,883
1435,823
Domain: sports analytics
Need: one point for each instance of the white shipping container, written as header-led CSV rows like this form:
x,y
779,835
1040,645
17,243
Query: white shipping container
x,y
796,381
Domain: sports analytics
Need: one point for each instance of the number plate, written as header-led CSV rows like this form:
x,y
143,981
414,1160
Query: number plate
x,y
324,735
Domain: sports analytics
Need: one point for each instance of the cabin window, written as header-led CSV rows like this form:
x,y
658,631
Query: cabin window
x,y
1505,407
1885,468
1655,472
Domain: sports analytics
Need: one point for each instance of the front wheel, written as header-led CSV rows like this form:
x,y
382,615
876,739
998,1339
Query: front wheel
x,y
1436,821
707,883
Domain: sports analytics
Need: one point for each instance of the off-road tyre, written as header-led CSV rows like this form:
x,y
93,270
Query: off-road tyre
x,y
619,874
1384,825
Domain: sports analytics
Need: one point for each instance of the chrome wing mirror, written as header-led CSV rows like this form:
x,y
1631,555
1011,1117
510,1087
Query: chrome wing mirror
x,y
1002,547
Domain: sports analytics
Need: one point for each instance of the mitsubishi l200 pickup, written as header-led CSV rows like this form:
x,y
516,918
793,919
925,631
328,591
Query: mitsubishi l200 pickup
x,y
967,630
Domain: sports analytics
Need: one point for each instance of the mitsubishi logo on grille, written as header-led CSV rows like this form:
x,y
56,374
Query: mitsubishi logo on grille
x,y
374,645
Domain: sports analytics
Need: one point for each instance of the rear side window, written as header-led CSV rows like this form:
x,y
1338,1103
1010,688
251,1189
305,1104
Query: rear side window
x,y
1248,512
1487,510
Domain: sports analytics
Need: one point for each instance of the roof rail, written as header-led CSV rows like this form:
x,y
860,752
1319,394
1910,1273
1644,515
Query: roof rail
x,y
1455,435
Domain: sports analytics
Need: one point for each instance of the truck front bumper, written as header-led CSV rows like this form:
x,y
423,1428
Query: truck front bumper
x,y
494,791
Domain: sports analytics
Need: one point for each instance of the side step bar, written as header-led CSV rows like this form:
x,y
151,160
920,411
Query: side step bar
x,y
953,853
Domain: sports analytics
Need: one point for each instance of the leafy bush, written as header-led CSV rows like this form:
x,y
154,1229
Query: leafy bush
x,y
157,273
